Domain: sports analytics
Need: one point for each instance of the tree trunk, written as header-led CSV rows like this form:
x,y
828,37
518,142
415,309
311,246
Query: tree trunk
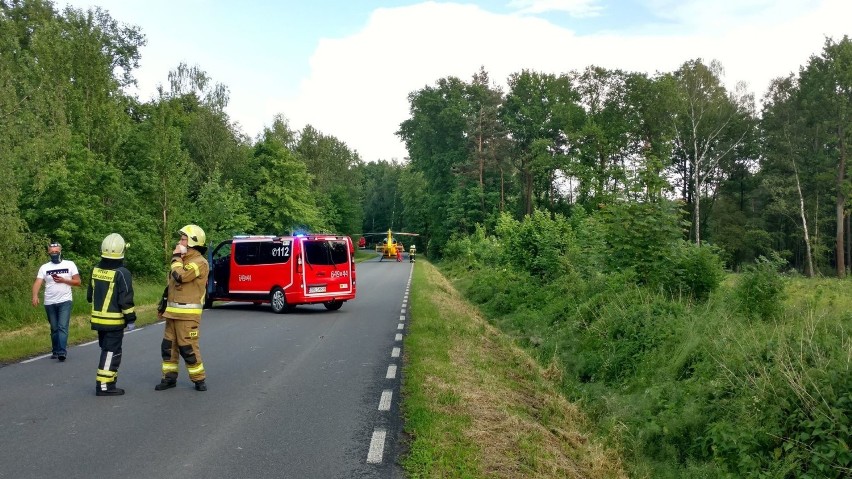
x,y
840,213
697,211
809,262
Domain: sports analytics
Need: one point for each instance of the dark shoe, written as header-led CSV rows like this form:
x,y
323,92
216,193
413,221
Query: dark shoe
x,y
165,384
54,356
200,385
114,391
61,358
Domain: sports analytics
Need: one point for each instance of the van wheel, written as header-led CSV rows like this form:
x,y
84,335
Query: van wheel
x,y
333,305
279,301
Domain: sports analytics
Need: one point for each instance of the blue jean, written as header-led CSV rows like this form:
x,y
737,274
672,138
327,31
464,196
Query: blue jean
x,y
58,315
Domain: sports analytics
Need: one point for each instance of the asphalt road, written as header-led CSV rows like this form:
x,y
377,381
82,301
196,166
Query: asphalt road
x,y
295,395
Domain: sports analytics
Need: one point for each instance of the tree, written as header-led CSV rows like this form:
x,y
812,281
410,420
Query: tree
x,y
437,143
786,140
336,178
536,112
826,84
710,126
284,200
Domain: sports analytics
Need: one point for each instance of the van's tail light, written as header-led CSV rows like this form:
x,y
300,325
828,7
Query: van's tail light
x,y
299,265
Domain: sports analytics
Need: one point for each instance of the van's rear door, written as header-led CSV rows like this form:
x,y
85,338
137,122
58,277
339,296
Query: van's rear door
x,y
327,266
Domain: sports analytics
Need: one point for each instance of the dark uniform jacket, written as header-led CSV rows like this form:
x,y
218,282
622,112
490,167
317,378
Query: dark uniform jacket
x,y
111,294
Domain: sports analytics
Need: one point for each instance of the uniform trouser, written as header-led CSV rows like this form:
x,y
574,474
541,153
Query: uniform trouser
x,y
180,339
110,343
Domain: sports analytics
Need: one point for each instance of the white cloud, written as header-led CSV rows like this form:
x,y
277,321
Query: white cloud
x,y
576,8
358,86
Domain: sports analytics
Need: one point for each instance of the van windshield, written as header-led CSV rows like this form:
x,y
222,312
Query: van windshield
x,y
326,252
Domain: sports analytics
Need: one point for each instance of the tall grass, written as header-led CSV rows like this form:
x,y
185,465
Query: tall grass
x,y
692,389
738,376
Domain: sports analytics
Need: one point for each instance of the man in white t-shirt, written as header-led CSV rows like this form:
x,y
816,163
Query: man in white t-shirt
x,y
58,276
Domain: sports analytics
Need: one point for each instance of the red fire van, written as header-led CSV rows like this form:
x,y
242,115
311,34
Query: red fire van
x,y
283,271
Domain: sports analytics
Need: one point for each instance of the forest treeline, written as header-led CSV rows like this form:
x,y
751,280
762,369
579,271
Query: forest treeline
x,y
84,158
750,182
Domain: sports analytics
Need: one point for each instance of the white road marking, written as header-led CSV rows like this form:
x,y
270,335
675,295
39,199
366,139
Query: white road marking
x,y
402,317
391,372
400,326
35,358
402,311
398,337
385,401
395,353
377,447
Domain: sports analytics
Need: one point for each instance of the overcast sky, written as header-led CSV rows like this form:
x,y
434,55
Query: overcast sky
x,y
347,66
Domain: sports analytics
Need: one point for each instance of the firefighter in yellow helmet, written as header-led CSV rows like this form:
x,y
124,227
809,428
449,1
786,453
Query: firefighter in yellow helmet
x,y
183,301
111,293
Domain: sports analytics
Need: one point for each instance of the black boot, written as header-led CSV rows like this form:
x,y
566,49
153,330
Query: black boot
x,y
200,385
165,384
108,390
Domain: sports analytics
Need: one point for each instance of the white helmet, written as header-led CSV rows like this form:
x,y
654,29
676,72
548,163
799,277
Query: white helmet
x,y
113,246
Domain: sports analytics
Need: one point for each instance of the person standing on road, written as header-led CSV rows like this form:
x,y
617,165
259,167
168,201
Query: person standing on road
x,y
111,294
58,276
412,250
181,307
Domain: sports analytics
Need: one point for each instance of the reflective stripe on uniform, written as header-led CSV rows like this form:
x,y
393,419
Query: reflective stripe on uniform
x,y
128,311
193,267
183,311
108,322
105,376
170,367
197,369
184,305
108,275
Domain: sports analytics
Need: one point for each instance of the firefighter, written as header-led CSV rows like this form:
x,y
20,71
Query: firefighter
x,y
399,249
183,301
111,293
412,250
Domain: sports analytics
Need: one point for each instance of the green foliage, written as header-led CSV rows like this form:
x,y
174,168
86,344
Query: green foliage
x,y
536,244
689,389
284,200
692,271
760,288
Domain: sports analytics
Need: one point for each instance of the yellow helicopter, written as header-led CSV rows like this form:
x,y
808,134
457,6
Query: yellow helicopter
x,y
390,247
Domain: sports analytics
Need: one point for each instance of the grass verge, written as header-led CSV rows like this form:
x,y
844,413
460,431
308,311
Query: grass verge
x,y
34,338
477,406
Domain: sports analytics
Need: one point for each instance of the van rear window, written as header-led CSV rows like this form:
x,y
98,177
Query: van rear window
x,y
326,252
262,252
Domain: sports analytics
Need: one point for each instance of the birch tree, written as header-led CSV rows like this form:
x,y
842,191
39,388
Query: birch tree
x,y
710,124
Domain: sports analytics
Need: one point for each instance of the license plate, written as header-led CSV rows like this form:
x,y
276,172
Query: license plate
x,y
316,289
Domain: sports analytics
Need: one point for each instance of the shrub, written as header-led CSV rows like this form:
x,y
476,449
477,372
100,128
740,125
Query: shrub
x,y
537,244
640,236
760,288
693,271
